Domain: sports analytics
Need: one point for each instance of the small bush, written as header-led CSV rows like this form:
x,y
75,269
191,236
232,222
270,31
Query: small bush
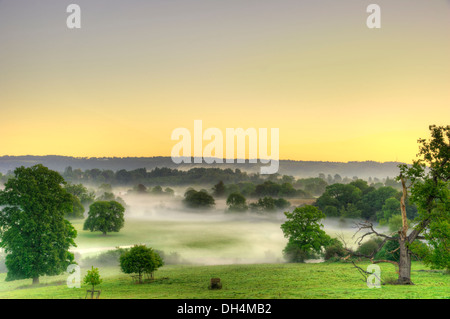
x,y
368,247
92,278
294,254
107,258
390,250
335,250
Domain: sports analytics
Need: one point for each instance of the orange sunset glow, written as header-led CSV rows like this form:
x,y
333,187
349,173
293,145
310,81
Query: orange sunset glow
x,y
137,70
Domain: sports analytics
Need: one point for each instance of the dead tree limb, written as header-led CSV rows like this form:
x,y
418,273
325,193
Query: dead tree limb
x,y
404,231
365,274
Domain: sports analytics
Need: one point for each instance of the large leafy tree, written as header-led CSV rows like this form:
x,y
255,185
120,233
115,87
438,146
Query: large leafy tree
x,y
427,182
304,231
430,191
105,216
33,230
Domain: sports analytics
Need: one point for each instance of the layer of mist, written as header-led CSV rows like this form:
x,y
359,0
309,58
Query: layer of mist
x,y
208,237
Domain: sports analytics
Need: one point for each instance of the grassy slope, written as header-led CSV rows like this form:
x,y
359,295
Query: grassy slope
x,y
243,281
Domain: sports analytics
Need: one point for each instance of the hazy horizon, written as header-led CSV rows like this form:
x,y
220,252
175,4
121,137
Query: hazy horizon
x,y
167,157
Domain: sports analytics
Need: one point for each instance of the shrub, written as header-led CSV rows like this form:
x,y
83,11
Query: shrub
x,y
390,250
294,254
334,249
92,278
368,247
107,258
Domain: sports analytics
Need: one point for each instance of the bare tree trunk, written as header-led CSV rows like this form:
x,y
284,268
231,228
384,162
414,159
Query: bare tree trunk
x,y
403,208
35,280
404,265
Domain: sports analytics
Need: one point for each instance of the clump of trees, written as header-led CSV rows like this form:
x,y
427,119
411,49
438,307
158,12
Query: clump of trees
x,y
237,203
270,188
315,186
359,200
141,189
85,196
269,204
198,199
105,216
109,196
219,190
82,198
159,176
140,260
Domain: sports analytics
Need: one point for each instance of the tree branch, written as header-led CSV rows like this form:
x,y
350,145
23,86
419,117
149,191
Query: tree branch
x,y
365,273
368,225
418,229
404,231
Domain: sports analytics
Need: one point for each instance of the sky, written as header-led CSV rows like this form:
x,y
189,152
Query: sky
x,y
136,70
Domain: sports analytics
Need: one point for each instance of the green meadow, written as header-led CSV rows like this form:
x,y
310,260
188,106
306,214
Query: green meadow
x,y
245,253
257,281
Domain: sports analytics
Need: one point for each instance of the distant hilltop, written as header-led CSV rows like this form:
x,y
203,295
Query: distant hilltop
x,y
287,167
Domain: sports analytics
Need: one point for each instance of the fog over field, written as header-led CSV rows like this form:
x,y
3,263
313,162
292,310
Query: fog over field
x,y
208,237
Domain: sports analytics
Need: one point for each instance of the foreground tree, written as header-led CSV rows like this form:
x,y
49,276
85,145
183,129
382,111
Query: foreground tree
x,y
33,231
93,279
427,179
304,231
140,260
105,216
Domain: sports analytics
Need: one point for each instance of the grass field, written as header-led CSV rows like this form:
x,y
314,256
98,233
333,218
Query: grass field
x,y
259,281
245,251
